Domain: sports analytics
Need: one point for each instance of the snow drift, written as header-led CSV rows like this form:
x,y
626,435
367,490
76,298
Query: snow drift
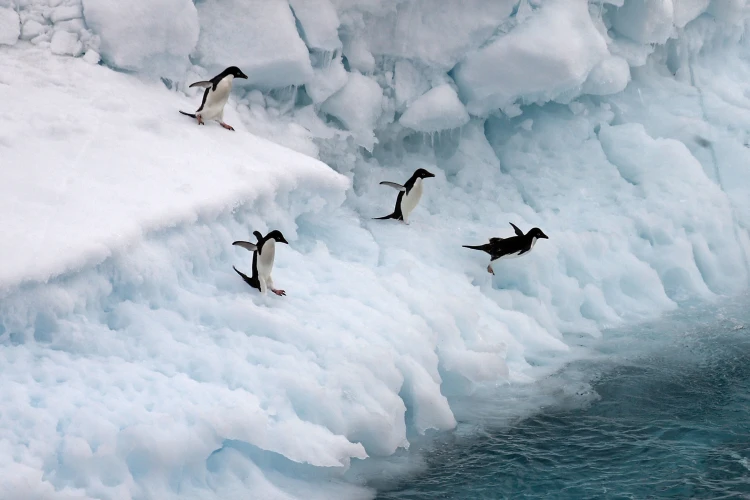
x,y
137,364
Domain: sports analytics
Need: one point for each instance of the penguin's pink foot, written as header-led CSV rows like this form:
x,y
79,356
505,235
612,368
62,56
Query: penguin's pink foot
x,y
489,270
278,292
200,120
228,127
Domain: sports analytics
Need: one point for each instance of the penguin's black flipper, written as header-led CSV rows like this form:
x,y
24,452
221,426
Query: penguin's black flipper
x,y
484,248
394,185
495,240
191,115
204,84
258,236
246,245
254,283
518,231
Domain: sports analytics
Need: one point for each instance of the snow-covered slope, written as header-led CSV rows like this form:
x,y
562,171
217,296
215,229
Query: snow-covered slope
x,y
136,364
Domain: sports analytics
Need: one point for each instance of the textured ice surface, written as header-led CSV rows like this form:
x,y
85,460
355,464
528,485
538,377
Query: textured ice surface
x,y
10,27
259,36
136,364
144,33
551,52
437,109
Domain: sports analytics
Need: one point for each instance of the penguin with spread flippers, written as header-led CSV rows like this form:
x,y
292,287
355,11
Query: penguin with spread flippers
x,y
408,195
510,248
216,96
264,252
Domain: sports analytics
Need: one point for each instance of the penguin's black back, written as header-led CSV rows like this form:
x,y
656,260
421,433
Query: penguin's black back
x,y
512,245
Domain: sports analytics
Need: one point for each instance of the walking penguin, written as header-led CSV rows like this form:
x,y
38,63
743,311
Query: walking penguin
x,y
216,96
264,252
408,195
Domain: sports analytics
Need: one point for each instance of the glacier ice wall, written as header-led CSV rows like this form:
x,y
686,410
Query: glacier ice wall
x,y
618,126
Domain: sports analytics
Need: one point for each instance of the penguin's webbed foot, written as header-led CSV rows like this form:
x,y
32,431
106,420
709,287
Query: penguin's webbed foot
x,y
200,120
278,292
226,126
489,270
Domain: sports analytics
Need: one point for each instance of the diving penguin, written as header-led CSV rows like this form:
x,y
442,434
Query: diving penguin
x,y
408,196
264,252
510,248
216,96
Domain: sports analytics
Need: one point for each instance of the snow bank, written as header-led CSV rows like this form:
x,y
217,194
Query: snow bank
x,y
553,51
259,36
144,33
110,143
141,366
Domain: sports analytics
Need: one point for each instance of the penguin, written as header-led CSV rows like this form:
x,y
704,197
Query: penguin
x,y
216,96
264,252
408,196
510,248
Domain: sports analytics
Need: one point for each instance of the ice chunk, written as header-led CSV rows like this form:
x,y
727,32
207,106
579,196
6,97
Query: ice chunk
x,y
91,57
143,34
358,55
438,109
326,81
319,23
358,106
552,52
687,10
65,43
433,32
65,13
259,36
10,26
31,29
645,21
608,77
732,11
409,83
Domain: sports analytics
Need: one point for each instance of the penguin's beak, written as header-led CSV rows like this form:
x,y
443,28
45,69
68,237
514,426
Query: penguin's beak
x,y
542,235
429,174
242,75
283,240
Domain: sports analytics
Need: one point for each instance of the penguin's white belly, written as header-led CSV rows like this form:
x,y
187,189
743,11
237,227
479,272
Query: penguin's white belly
x,y
265,259
411,199
216,100
509,256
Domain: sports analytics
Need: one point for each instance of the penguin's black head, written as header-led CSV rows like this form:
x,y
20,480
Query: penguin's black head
x,y
235,72
276,235
423,174
537,233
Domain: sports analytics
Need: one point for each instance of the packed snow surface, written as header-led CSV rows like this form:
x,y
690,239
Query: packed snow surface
x,y
135,362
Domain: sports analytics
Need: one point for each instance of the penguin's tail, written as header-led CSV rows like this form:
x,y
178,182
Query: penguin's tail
x,y
192,115
483,248
247,279
394,215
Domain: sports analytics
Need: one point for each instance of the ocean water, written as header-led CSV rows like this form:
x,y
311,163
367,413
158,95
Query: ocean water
x,y
664,413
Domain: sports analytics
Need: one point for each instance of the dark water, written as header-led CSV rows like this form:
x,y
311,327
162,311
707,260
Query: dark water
x,y
672,420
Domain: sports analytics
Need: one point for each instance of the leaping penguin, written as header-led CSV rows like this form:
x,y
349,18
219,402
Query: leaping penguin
x,y
264,252
216,96
510,248
409,195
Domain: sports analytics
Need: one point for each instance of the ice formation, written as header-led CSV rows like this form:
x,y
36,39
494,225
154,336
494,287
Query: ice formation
x,y
135,362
